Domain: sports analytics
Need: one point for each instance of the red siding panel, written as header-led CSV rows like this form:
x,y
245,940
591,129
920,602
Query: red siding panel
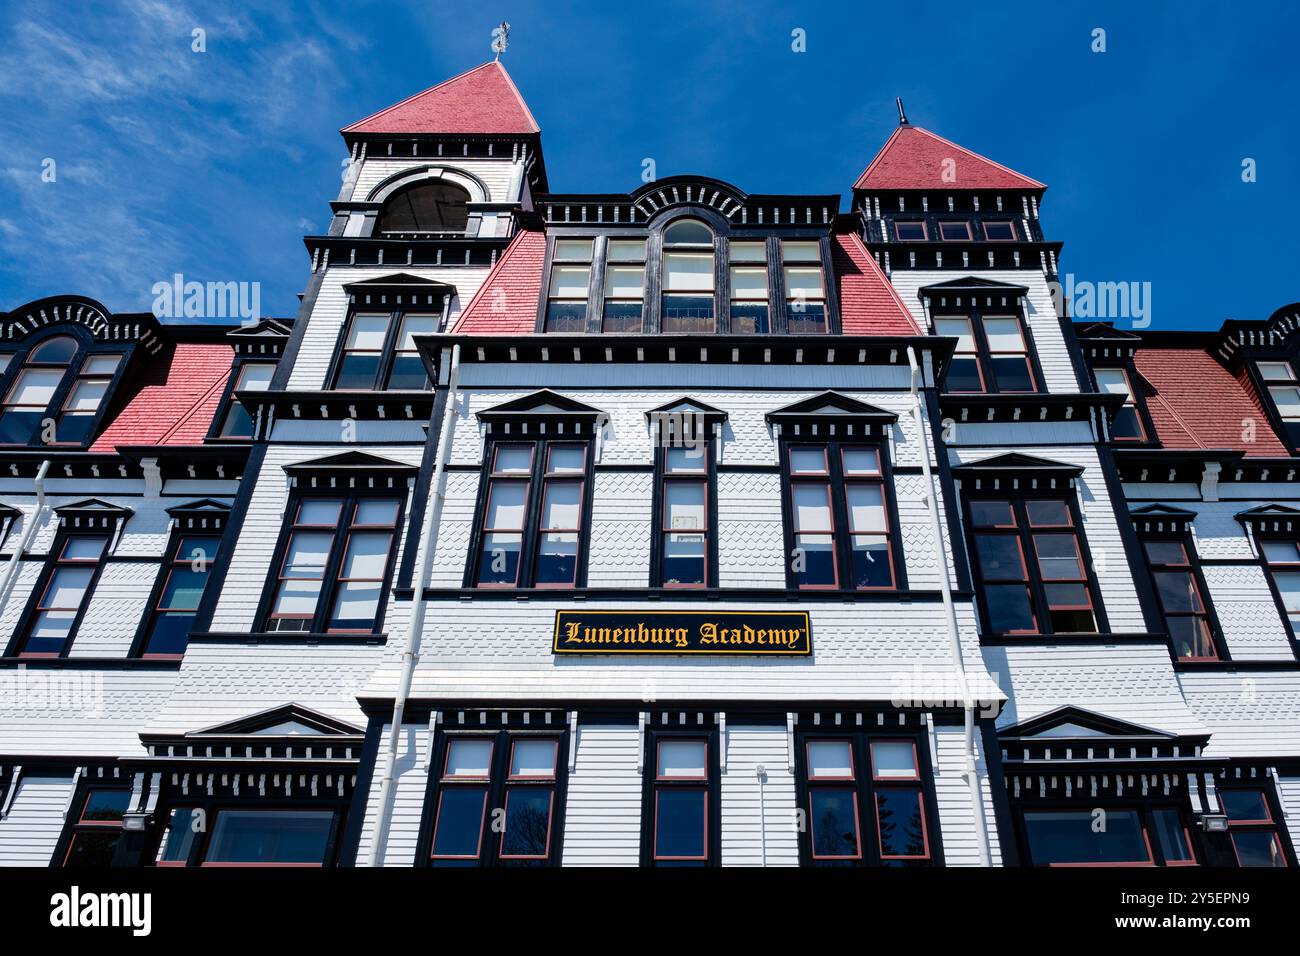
x,y
868,303
506,303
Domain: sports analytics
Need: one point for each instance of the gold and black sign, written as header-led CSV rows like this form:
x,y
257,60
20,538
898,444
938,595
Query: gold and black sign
x,y
785,633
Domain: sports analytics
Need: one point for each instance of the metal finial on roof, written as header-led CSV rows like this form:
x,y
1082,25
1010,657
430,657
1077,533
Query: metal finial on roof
x,y
902,117
500,35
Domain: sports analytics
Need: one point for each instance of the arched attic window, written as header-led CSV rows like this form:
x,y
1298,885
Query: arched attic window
x,y
424,206
688,278
54,381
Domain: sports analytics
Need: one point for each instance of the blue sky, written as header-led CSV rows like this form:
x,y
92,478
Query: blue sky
x,y
215,164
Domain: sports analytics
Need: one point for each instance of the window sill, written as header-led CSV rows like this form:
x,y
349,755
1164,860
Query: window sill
x,y
91,663
285,637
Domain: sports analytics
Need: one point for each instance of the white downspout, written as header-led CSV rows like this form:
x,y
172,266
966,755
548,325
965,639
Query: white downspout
x,y
415,624
29,532
954,638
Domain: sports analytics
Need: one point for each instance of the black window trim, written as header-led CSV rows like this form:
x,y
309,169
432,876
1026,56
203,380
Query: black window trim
x,y
182,529
975,313
1183,535
396,313
839,509
228,401
28,618
214,805
533,508
654,733
1018,497
864,787
660,482
503,739
87,347
399,492
1144,805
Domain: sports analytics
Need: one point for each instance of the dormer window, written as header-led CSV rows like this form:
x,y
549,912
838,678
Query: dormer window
x,y
54,383
992,354
688,278
1128,423
379,352
1284,388
566,305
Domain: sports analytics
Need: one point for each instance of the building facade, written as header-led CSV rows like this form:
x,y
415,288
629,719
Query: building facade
x,y
680,527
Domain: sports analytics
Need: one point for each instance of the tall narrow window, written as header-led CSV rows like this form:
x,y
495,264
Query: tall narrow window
x,y
531,525
64,595
992,354
251,377
1128,423
1255,835
866,801
684,532
1282,556
805,287
688,278
1177,579
336,559
840,530
1284,389
624,285
98,828
515,772
566,303
185,577
1032,571
680,834
749,314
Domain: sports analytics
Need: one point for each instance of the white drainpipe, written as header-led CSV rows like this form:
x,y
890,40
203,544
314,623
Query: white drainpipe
x,y
954,638
28,533
415,625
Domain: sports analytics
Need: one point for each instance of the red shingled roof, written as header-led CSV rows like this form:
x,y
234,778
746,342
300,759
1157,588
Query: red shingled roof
x,y
483,100
914,158
1200,404
173,400
868,303
506,303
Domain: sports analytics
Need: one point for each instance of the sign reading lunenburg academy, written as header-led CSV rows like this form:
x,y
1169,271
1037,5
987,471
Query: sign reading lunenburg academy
x,y
682,632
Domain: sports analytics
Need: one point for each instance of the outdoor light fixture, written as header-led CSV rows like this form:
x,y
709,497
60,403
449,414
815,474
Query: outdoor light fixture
x,y
1214,822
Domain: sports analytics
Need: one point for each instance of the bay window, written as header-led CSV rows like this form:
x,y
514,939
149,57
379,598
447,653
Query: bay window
x,y
531,525
992,353
1032,566
379,351
1107,835
247,835
496,801
334,564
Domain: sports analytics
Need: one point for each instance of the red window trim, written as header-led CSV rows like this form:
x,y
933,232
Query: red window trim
x,y
463,778
964,223
550,822
852,791
1011,223
531,777
916,760
925,230
681,740
704,792
919,793
846,741
481,785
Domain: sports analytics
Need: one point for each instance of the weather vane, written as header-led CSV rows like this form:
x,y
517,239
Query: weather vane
x,y
499,36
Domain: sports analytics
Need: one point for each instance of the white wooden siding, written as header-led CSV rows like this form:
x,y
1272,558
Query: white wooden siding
x,y
759,826
952,793
30,830
411,777
602,821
